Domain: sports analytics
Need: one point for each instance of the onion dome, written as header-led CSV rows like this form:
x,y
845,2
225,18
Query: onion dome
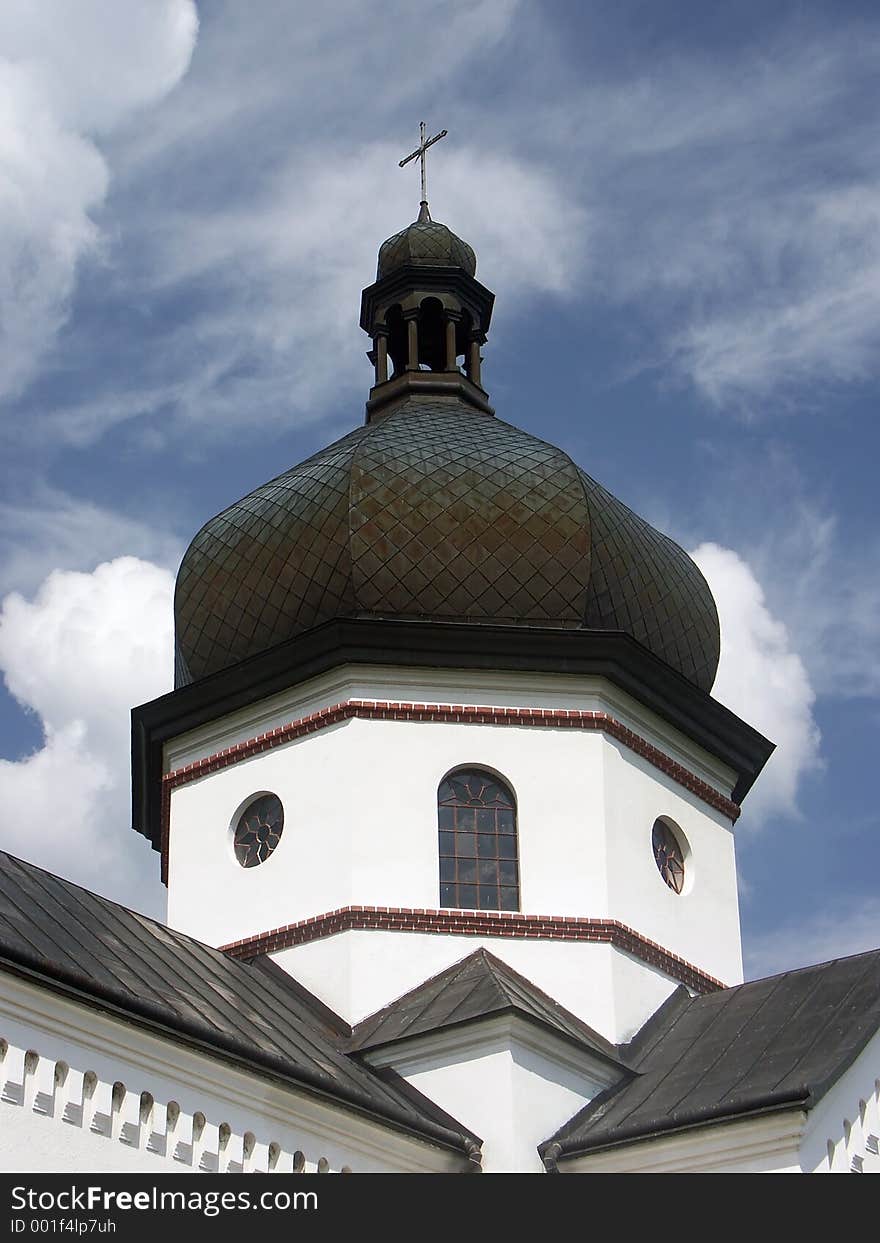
x,y
435,510
425,243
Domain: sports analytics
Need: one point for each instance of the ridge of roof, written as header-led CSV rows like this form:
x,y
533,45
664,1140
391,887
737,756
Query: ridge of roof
x,y
474,988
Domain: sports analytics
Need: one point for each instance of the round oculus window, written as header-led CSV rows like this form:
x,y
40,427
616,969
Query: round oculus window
x,y
258,830
668,855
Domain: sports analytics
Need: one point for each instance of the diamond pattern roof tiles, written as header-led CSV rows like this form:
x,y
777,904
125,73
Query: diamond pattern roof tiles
x,y
437,513
426,244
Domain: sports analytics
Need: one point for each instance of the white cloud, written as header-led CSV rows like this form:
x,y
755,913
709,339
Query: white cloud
x,y
743,223
80,655
102,61
821,324
256,197
827,586
849,928
762,679
62,81
740,226
52,530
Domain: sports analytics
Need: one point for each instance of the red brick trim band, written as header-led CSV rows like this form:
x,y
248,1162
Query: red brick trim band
x,y
475,924
382,710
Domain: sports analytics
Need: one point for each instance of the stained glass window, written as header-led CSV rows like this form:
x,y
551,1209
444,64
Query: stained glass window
x,y
479,867
668,855
259,830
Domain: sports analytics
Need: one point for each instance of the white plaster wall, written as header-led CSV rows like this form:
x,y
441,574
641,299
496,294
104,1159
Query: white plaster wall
x,y
92,1117
361,827
637,991
546,1094
701,924
211,896
510,1083
357,973
360,802
480,1088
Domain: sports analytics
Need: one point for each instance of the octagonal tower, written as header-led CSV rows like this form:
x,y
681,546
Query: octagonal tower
x,y
438,689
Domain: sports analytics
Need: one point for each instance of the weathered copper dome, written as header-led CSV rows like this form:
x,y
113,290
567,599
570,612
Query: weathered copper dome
x,y
436,511
425,243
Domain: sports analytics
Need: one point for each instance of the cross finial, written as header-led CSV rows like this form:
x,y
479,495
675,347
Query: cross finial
x,y
420,152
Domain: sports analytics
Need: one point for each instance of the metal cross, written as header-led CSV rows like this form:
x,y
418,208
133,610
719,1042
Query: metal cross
x,y
420,152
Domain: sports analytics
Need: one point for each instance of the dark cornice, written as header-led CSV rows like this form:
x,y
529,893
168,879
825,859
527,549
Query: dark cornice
x,y
442,645
429,278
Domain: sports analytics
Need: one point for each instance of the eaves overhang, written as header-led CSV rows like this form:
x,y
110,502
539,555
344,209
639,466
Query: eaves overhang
x,y
553,1152
591,653
508,1022
119,1003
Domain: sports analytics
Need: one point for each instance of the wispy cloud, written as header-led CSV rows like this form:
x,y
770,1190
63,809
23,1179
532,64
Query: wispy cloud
x,y
737,207
56,93
278,332
231,268
816,322
731,203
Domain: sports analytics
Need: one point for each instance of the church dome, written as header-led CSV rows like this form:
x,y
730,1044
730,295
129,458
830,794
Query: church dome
x,y
437,512
425,243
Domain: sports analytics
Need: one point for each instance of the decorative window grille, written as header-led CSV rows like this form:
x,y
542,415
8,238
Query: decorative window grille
x,y
479,856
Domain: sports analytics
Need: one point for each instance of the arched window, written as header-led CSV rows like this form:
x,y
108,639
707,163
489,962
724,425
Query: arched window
x,y
479,868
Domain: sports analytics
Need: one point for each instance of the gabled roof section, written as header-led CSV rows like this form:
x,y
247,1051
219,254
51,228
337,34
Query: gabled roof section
x,y
775,1043
478,987
102,954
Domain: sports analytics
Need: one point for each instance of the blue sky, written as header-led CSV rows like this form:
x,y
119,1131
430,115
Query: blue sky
x,y
678,208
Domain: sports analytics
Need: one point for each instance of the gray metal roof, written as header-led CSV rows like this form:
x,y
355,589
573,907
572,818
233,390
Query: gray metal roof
x,y
478,987
436,512
252,1014
768,1044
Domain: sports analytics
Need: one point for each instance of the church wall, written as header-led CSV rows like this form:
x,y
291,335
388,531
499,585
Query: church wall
x,y
479,1087
370,837
81,1091
700,924
638,990
510,1082
357,973
360,803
